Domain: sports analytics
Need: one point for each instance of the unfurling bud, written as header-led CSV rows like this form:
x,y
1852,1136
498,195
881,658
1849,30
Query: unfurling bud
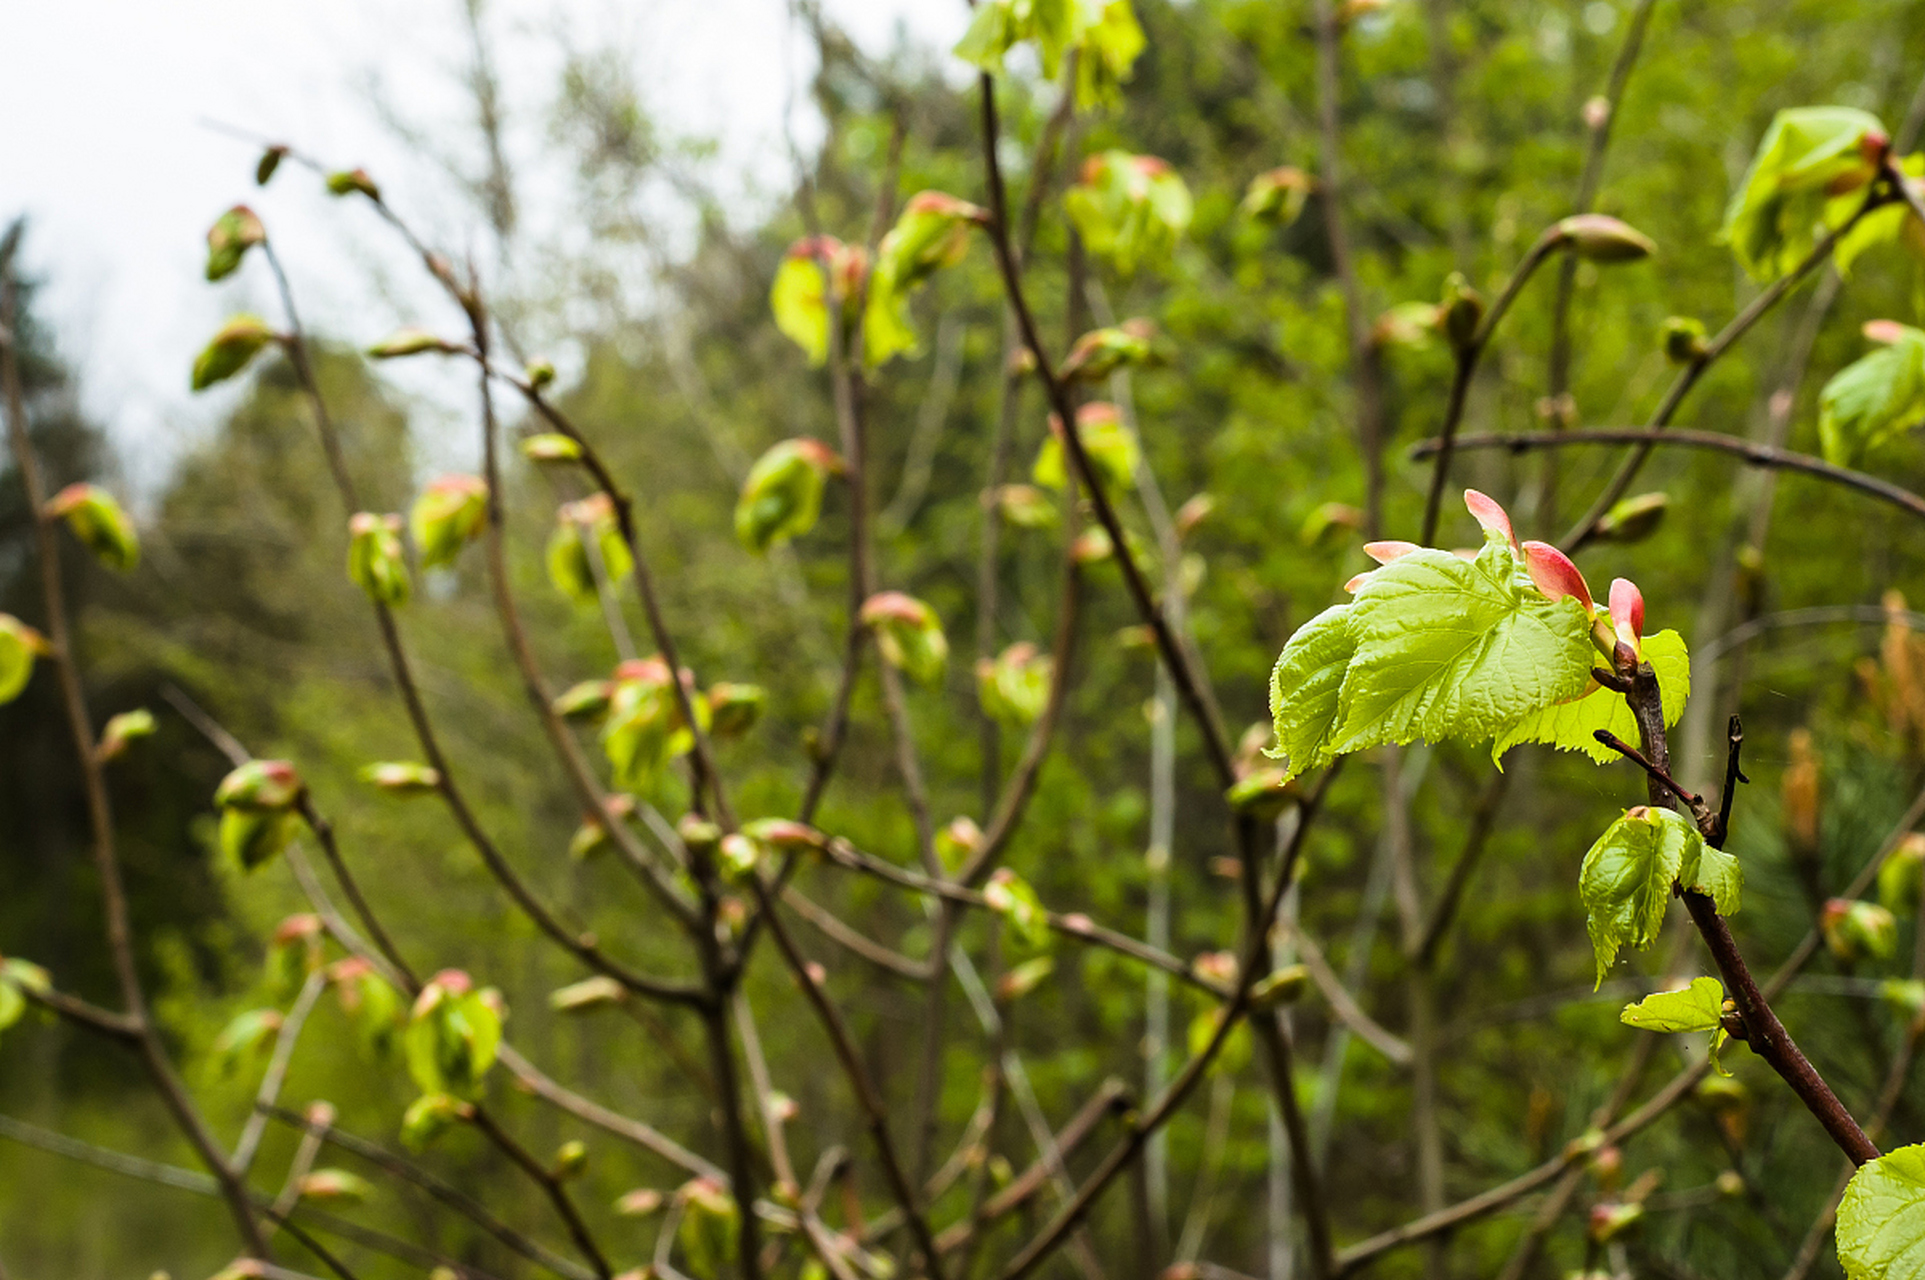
x,y
957,841
453,1035
1263,795
20,644
1013,688
698,833
1599,237
598,992
345,182
539,373
1025,506
783,493
1900,876
550,446
376,563
1489,514
336,1185
784,834
1553,574
1461,311
229,350
1109,445
1633,519
121,731
229,239
1413,325
571,1160
1024,978
1278,195
430,1116
100,523
447,516
1101,352
1611,1220
639,1203
270,161
734,708
412,342
402,777
257,810
1279,987
739,855
583,701
1854,930
260,785
1683,338
909,635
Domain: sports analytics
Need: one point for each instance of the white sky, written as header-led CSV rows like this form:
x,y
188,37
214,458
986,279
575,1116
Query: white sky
x,y
102,143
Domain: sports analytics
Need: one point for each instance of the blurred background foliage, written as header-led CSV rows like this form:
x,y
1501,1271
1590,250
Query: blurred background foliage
x,y
1463,136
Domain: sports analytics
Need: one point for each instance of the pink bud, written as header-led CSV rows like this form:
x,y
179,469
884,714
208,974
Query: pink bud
x,y
1627,613
1356,582
1487,513
1884,331
1385,552
1555,575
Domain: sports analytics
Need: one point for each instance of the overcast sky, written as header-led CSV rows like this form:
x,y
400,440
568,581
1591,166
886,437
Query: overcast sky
x,y
105,146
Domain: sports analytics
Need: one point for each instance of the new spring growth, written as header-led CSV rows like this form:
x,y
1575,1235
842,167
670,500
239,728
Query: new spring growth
x,y
412,342
1101,352
230,349
101,525
121,732
257,803
401,777
229,239
376,562
346,182
1683,339
449,514
783,493
1130,209
814,270
453,1035
1599,237
1277,196
577,524
20,644
645,726
1109,444
909,635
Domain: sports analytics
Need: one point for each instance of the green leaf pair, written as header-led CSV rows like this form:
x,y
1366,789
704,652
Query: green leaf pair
x,y
783,493
1698,1007
1130,209
1809,172
99,523
453,1035
376,562
1627,878
1110,445
909,635
577,525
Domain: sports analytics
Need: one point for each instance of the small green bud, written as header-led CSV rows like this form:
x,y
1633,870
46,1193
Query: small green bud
x,y
376,563
20,644
1633,519
229,239
734,708
1598,237
1263,794
697,832
1277,196
412,342
430,1116
640,1203
449,514
1460,312
261,785
571,1160
100,523
122,731
334,1184
344,182
550,446
539,373
1683,338
909,635
597,992
402,777
1024,978
230,349
270,161
739,854
1280,987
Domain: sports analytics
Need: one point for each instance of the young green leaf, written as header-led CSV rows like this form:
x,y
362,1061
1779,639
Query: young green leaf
x,y
100,523
1698,1007
569,567
799,295
1011,896
20,644
1808,171
1873,399
1130,209
1573,725
1627,877
1881,1220
932,233
1306,689
122,731
909,635
783,493
449,514
453,1035
1110,45
734,707
1014,686
229,239
229,350
376,563
430,1116
1111,446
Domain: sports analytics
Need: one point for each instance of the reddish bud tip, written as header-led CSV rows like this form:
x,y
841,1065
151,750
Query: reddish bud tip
x,y
1554,574
1627,613
1385,552
1489,514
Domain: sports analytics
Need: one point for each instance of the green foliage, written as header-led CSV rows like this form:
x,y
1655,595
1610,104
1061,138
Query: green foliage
x,y
229,239
123,730
1014,686
1881,1220
1013,898
932,233
1110,444
1627,878
1875,398
1809,170
1698,1007
577,525
1433,646
908,634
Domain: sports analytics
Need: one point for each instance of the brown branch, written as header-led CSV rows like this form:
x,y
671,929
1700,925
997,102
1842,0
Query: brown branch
x,y
1345,1006
1586,528
1757,455
1169,644
100,818
624,1127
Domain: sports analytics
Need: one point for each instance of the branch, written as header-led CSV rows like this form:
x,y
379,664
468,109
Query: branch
x,y
276,1075
624,1127
1758,455
1585,529
120,941
1182,666
1341,1003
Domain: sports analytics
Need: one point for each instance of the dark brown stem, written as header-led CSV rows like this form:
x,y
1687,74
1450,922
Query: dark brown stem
x,y
1763,1031
330,849
1758,455
1182,665
1364,374
552,1187
1467,357
100,817
1444,910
